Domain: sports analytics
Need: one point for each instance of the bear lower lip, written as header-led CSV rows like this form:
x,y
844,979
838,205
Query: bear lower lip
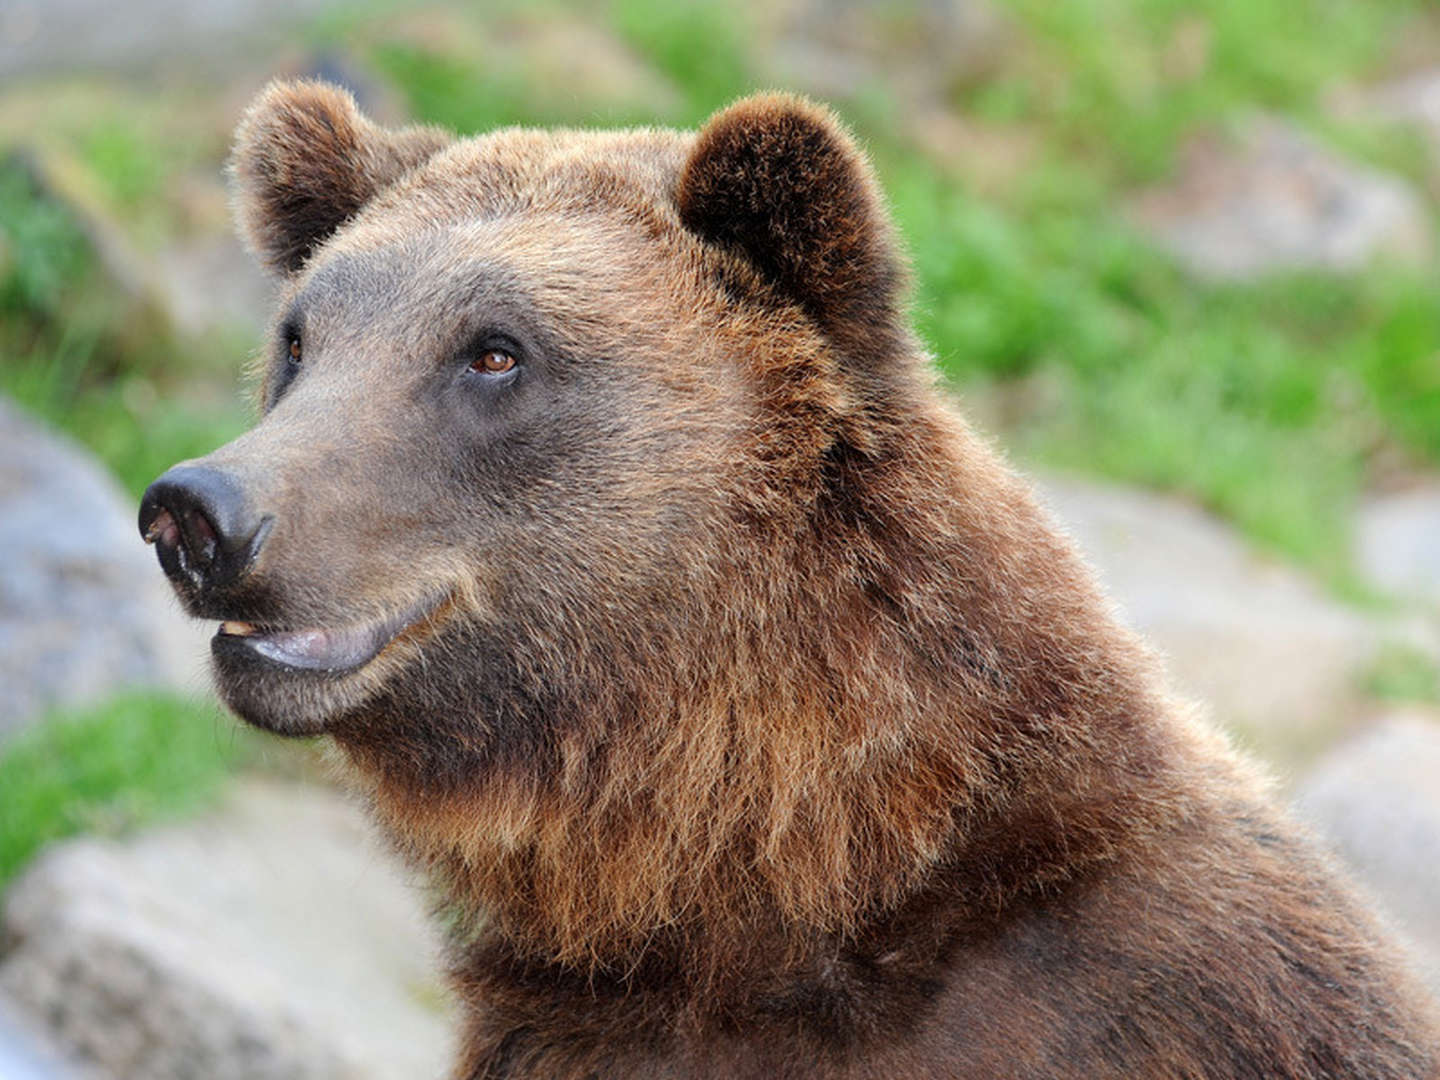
x,y
321,648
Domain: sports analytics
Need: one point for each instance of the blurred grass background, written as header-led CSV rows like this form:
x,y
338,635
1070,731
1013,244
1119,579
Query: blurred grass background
x,y
1276,404
131,760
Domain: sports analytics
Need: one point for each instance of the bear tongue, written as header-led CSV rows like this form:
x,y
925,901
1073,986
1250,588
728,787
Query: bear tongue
x,y
321,649
316,649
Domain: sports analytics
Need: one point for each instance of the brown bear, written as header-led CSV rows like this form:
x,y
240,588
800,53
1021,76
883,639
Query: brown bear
x,y
750,716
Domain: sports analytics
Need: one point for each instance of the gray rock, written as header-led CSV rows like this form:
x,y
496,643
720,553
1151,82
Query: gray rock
x,y
916,51
561,60
1272,656
1398,543
271,939
24,1055
200,280
1272,198
1414,99
585,58
42,36
84,610
1376,800
208,284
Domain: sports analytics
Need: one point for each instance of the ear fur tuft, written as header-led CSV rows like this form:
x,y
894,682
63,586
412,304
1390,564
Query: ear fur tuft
x,y
306,160
779,179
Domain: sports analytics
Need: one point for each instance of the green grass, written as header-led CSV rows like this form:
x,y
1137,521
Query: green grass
x,y
1402,674
1120,82
127,762
129,166
1273,404
459,94
130,421
699,47
1267,401
43,254
90,360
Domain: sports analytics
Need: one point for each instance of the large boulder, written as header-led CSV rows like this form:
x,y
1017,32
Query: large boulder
x,y
1274,658
83,609
270,939
40,37
1271,198
1398,543
26,1056
1413,99
1376,800
917,52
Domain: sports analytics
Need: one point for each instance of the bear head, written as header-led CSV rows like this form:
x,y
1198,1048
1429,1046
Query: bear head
x,y
602,510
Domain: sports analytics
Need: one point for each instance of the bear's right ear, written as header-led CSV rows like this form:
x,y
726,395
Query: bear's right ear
x,y
779,180
306,160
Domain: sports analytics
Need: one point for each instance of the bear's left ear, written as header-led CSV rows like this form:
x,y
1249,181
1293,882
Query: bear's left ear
x,y
780,179
305,160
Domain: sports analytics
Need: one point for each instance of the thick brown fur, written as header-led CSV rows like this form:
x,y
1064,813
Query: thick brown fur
x,y
307,160
786,187
767,727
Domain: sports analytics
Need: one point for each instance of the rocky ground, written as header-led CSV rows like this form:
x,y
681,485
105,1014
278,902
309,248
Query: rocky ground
x,y
272,937
82,612
1373,799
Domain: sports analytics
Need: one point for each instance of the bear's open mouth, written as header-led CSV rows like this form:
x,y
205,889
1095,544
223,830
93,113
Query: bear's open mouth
x,y
327,649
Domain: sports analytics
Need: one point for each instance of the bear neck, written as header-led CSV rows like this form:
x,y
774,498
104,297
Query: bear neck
x,y
912,696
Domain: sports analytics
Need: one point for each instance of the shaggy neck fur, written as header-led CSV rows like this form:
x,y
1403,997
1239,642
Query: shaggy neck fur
x,y
902,679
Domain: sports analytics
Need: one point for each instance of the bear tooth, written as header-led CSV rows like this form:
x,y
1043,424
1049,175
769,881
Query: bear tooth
x,y
237,629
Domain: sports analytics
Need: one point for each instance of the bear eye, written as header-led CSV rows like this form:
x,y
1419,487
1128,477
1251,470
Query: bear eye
x,y
493,362
295,351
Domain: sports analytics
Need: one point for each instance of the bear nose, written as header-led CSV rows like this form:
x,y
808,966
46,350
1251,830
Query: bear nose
x,y
203,527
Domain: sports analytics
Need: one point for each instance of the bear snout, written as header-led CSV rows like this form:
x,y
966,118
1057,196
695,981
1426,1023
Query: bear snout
x,y
206,532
